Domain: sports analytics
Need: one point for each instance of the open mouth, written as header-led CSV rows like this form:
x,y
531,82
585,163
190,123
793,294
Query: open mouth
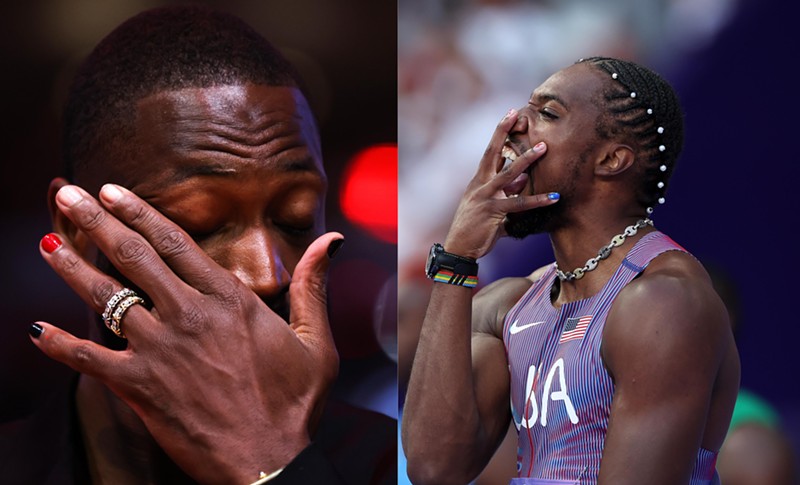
x,y
508,153
519,183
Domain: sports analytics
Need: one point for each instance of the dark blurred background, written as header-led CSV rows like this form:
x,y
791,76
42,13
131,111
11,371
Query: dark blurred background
x,y
346,52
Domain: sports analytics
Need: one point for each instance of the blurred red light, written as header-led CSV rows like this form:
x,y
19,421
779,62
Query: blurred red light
x,y
369,193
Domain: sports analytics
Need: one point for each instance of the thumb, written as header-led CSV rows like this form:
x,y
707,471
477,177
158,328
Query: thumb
x,y
308,290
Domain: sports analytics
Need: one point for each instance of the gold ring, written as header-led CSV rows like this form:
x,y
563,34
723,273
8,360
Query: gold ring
x,y
116,307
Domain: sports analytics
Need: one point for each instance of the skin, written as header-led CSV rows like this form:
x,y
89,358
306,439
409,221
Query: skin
x,y
217,216
503,465
667,343
755,454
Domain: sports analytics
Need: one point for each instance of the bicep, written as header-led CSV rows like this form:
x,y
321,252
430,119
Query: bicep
x,y
489,362
491,380
654,434
664,357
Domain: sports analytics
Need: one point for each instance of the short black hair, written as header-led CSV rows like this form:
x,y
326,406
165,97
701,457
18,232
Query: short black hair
x,y
160,49
643,109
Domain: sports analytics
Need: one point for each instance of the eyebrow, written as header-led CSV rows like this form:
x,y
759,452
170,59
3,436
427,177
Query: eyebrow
x,y
184,172
545,97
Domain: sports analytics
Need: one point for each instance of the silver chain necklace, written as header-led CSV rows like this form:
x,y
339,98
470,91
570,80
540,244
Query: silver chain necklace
x,y
604,252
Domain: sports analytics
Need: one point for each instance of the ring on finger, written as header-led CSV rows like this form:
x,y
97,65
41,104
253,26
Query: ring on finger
x,y
112,303
119,312
116,307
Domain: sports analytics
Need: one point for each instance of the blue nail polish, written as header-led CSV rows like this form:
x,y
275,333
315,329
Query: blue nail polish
x,y
553,196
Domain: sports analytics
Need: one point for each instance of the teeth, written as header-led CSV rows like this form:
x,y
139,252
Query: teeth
x,y
508,153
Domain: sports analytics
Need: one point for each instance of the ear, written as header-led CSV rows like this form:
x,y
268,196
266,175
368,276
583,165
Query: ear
x,y
617,159
61,223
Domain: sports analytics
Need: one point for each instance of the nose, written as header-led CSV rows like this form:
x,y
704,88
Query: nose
x,y
256,260
521,125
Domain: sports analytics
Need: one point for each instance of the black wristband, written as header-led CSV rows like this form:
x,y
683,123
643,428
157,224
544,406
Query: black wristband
x,y
451,268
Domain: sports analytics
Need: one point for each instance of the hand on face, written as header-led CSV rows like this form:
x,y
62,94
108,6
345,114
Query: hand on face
x,y
494,192
224,385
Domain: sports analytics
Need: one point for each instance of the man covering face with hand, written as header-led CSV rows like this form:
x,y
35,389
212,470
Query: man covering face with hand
x,y
192,223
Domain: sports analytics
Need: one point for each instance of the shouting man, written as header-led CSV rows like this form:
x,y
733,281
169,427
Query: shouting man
x,y
618,358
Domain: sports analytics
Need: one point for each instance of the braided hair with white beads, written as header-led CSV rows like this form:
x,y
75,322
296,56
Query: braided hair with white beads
x,y
642,109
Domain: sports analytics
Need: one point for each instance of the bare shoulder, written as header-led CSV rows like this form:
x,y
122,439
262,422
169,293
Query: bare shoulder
x,y
670,310
495,300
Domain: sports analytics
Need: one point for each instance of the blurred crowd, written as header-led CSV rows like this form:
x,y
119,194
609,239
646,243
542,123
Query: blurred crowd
x,y
463,64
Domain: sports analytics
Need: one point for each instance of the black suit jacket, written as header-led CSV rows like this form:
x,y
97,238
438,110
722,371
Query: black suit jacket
x,y
352,446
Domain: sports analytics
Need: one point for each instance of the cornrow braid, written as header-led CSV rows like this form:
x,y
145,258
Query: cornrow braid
x,y
645,111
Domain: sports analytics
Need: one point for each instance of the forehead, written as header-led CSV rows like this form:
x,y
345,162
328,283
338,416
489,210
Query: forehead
x,y
578,86
247,112
242,128
231,104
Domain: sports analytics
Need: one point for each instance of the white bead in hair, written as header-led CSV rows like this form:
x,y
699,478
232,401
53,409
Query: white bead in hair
x,y
614,76
661,185
649,210
661,200
663,168
649,111
661,148
633,95
660,129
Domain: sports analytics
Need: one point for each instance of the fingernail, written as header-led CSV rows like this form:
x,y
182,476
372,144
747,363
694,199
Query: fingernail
x,y
553,196
36,330
511,112
334,247
110,193
539,147
50,243
69,196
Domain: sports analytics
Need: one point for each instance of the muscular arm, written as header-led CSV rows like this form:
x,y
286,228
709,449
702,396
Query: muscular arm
x,y
669,348
456,410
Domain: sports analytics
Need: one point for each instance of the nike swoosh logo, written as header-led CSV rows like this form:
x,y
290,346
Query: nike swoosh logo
x,y
515,329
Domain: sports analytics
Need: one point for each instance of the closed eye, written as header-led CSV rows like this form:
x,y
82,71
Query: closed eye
x,y
547,114
295,230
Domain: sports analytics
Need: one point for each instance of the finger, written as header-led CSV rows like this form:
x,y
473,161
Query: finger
x,y
510,171
171,243
82,355
492,156
307,291
92,285
127,250
526,202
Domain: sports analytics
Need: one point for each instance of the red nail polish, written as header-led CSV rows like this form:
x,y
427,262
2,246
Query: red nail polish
x,y
51,242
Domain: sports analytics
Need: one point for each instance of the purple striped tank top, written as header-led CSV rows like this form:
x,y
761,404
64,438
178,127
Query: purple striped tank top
x,y
560,390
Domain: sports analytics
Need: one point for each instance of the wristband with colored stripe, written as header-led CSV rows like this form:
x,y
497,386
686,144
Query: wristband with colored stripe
x,y
451,278
450,268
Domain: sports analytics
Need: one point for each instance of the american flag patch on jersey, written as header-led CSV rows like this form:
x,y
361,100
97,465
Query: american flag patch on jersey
x,y
575,328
